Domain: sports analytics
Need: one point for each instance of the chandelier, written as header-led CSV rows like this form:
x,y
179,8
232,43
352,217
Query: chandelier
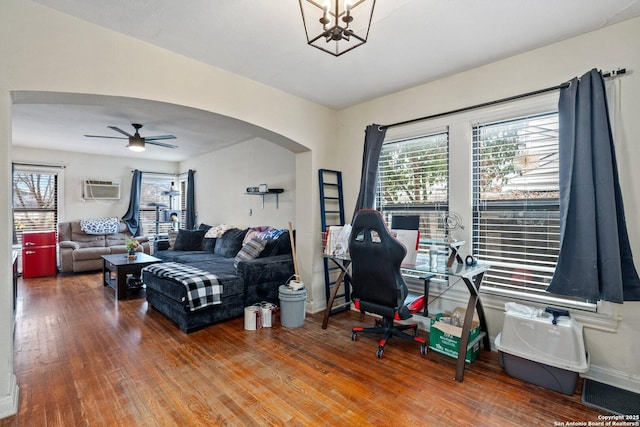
x,y
337,26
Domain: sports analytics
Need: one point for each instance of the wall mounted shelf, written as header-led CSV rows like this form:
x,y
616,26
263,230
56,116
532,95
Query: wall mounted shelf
x,y
275,191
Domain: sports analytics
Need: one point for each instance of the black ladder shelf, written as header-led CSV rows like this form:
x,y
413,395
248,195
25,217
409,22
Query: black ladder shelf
x,y
332,213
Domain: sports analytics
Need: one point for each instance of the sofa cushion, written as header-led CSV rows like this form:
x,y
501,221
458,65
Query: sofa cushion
x,y
230,243
278,246
189,240
250,250
84,254
208,244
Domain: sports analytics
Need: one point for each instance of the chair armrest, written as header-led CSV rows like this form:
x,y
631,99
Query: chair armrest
x,y
69,244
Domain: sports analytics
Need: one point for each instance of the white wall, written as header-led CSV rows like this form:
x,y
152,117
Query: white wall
x,y
78,167
44,50
614,355
223,176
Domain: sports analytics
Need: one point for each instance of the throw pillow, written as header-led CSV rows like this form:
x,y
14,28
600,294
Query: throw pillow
x,y
250,250
173,235
189,240
208,244
218,230
230,243
204,227
281,245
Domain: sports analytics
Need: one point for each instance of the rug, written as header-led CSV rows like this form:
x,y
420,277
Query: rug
x,y
610,398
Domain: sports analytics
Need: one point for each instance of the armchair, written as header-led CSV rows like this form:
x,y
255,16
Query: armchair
x,y
376,280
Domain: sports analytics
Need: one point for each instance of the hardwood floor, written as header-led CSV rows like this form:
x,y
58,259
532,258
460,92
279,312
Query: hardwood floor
x,y
83,359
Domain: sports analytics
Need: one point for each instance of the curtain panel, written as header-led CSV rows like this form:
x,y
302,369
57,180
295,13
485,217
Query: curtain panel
x,y
190,214
132,217
373,139
595,260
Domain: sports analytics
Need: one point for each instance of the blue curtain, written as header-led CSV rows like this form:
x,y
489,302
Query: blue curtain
x,y
373,139
595,259
132,217
190,214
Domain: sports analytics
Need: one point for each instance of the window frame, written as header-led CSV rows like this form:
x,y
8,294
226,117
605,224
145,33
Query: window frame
x,y
460,128
148,213
433,210
58,171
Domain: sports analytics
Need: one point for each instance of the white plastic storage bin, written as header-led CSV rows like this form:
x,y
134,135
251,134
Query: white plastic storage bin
x,y
535,350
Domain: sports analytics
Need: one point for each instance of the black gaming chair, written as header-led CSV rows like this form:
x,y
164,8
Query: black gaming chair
x,y
376,280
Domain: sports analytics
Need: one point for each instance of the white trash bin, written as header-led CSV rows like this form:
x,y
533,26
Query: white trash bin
x,y
292,303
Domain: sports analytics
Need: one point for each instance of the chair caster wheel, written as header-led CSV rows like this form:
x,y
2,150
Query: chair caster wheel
x,y
354,336
423,349
380,352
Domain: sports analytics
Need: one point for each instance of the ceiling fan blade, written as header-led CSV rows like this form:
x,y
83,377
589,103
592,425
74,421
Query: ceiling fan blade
x,y
161,144
101,136
151,138
117,129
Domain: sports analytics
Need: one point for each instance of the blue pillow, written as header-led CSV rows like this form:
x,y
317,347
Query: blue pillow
x,y
230,243
189,240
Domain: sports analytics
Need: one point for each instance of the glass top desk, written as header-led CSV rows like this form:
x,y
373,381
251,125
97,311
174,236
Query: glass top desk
x,y
471,275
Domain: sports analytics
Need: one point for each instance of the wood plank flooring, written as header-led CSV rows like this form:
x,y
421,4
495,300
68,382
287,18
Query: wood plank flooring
x,y
83,359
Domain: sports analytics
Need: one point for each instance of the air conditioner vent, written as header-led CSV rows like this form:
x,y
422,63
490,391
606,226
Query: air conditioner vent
x,y
94,189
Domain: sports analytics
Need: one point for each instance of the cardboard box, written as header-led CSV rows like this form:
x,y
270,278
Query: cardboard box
x,y
445,338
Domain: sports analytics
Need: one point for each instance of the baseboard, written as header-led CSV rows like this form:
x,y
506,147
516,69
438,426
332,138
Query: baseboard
x,y
9,403
614,378
315,307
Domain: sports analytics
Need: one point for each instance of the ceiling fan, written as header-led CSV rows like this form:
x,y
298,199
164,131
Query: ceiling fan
x,y
137,142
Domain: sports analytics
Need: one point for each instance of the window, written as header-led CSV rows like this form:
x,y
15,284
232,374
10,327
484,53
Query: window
x,y
516,223
36,193
155,198
414,180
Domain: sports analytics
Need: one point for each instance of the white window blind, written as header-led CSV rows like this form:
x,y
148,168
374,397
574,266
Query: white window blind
x,y
35,201
516,225
154,189
413,179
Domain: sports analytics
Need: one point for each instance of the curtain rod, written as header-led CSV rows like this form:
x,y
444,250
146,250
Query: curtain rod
x,y
164,173
614,73
38,165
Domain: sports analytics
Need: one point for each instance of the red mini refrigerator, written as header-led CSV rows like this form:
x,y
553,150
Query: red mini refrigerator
x,y
39,254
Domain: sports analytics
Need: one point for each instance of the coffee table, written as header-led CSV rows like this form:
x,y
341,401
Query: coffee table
x,y
117,267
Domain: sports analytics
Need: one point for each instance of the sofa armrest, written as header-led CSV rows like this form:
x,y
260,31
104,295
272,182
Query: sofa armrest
x,y
160,245
141,239
263,276
69,244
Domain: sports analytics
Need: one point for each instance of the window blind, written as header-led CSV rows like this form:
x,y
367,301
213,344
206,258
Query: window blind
x,y
516,224
413,179
35,201
153,189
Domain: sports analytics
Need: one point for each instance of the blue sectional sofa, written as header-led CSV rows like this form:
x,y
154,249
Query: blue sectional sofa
x,y
244,281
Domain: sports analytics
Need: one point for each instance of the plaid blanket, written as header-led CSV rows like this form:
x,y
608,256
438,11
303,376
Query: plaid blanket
x,y
202,287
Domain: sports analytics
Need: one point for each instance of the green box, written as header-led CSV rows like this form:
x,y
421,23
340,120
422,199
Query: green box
x,y
445,339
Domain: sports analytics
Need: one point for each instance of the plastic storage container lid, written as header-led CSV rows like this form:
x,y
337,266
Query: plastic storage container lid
x,y
537,339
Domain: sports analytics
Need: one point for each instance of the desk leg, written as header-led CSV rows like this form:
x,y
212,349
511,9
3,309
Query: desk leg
x,y
427,285
473,304
332,297
483,320
464,339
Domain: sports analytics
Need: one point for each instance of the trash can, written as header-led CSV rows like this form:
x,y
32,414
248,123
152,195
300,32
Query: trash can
x,y
542,349
292,306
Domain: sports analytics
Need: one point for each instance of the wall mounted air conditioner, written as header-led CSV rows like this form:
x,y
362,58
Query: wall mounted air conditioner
x,y
93,189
